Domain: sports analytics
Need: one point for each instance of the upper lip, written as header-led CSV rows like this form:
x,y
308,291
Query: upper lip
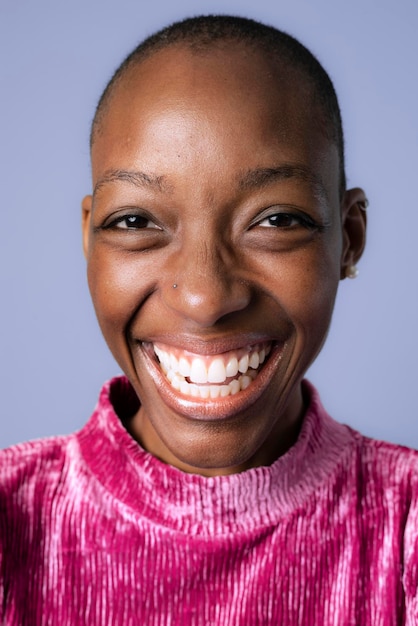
x,y
210,347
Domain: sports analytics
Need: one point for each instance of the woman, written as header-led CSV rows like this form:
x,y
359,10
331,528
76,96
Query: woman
x,y
210,486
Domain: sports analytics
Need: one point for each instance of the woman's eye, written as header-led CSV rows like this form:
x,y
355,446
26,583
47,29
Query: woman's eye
x,y
282,220
133,222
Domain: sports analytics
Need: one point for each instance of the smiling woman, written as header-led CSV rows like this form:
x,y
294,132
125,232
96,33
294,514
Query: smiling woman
x,y
187,201
210,486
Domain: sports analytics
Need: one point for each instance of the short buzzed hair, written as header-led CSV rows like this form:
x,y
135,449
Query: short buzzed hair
x,y
200,33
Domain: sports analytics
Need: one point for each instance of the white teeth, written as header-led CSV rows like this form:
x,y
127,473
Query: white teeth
x,y
176,382
174,364
210,391
243,364
184,367
204,392
193,390
254,360
214,391
245,382
216,371
232,367
234,386
190,374
198,372
162,357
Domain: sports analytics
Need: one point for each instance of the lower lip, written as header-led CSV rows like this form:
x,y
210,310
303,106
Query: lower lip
x,y
219,408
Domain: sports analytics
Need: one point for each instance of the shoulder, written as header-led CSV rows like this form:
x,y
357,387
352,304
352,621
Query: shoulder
x,y
370,460
393,471
389,465
40,466
33,462
387,456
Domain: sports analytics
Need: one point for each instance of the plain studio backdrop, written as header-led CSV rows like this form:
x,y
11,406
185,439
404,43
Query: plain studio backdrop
x,y
56,58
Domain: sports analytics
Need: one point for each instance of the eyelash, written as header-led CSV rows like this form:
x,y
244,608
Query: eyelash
x,y
143,224
297,219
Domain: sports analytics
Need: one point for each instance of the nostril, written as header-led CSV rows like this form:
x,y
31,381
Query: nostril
x,y
206,299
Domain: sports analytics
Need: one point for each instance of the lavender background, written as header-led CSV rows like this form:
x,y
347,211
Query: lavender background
x,y
55,59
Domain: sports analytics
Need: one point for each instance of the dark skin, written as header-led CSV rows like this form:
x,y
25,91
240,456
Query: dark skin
x,y
212,173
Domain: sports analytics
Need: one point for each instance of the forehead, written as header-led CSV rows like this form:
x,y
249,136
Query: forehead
x,y
229,98
232,73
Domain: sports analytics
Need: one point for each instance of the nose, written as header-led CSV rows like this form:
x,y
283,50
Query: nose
x,y
204,283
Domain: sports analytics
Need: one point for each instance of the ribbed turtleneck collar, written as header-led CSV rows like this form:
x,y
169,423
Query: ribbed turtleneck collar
x,y
221,505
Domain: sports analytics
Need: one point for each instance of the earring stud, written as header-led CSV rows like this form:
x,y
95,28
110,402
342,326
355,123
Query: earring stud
x,y
351,271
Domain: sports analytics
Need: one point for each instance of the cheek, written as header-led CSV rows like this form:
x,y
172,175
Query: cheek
x,y
305,283
117,288
315,295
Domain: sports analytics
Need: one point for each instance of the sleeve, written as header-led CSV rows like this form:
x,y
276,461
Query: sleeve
x,y
1,584
410,569
2,544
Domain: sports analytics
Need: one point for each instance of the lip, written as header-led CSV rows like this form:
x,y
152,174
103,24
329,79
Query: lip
x,y
217,409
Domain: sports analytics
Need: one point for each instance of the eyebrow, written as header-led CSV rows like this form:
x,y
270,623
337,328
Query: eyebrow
x,y
262,177
247,180
139,179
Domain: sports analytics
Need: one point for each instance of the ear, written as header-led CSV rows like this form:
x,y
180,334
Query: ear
x,y
86,206
354,222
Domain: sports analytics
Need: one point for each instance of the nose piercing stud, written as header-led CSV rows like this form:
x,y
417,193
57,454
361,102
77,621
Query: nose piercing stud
x,y
175,286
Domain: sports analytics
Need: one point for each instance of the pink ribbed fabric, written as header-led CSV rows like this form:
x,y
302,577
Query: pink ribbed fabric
x,y
94,530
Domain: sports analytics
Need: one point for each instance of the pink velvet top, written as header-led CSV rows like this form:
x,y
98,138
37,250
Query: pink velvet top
x,y
94,530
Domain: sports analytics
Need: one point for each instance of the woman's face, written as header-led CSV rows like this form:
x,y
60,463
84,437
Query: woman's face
x,y
215,241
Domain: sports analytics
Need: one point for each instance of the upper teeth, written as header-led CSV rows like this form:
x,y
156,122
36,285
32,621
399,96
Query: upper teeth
x,y
210,369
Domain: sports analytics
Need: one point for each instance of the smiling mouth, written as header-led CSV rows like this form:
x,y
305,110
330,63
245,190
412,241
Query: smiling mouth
x,y
211,377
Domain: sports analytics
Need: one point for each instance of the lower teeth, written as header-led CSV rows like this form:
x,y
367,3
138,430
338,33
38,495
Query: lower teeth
x,y
179,383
